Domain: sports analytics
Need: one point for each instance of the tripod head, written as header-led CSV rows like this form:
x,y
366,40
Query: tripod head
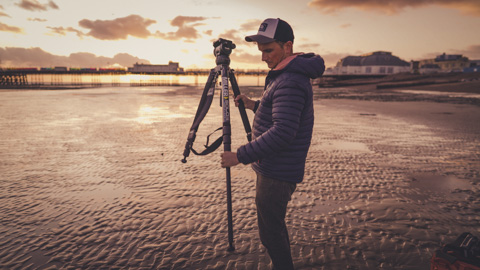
x,y
222,51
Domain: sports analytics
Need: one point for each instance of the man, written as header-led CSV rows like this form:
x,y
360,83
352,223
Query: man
x,y
282,131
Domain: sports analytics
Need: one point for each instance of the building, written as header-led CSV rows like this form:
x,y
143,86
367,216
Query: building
x,y
474,66
375,63
172,67
429,69
447,62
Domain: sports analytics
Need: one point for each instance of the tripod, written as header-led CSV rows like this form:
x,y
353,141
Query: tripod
x,y
222,50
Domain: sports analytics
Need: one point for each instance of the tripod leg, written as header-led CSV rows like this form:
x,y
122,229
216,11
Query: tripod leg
x,y
227,147
241,106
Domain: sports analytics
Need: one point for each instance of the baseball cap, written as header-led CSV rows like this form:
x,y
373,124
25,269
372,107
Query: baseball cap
x,y
272,30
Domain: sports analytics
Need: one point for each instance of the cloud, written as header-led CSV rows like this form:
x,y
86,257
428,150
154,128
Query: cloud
x,y
136,26
471,7
305,47
331,59
36,57
345,25
3,14
472,52
63,31
250,25
120,28
34,5
239,56
186,29
233,35
8,28
37,20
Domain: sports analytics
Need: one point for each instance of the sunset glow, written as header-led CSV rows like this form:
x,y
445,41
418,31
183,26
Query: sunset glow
x,y
113,33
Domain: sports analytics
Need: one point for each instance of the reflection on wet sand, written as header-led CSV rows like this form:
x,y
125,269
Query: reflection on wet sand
x,y
149,115
92,179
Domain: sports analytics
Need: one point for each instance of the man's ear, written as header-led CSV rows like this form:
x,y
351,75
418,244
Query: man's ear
x,y
288,47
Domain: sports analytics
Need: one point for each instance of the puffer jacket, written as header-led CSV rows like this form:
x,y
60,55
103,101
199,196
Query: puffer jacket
x,y
283,122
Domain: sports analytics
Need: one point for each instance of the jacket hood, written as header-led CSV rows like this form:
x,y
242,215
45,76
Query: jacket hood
x,y
309,64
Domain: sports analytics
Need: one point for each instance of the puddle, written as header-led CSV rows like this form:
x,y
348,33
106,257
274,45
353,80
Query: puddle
x,y
438,183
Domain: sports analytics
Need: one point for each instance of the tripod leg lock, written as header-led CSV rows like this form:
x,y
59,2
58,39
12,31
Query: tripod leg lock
x,y
188,145
227,132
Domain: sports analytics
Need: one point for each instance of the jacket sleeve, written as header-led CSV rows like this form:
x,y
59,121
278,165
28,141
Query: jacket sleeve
x,y
287,107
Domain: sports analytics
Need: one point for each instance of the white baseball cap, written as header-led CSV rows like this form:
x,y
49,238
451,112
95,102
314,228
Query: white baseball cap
x,y
272,30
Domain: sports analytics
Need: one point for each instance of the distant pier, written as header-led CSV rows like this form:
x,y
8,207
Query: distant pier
x,y
94,77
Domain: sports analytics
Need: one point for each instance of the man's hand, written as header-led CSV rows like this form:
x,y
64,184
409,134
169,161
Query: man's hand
x,y
229,159
249,104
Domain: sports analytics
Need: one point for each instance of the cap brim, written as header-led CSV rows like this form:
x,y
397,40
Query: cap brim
x,y
259,39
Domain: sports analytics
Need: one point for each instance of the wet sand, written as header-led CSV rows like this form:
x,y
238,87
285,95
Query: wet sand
x,y
92,179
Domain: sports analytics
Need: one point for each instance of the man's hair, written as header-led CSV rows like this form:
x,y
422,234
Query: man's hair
x,y
282,43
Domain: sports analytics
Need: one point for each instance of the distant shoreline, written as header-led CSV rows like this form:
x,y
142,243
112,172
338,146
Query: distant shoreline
x,y
454,88
406,80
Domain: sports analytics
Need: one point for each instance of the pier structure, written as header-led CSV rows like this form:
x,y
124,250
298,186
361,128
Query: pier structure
x,y
13,78
94,77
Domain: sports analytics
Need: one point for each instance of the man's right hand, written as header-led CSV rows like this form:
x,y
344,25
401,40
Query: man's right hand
x,y
249,104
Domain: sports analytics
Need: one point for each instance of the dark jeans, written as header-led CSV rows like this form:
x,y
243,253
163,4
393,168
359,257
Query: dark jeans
x,y
272,197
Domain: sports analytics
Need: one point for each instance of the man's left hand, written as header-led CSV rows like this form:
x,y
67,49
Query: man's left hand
x,y
229,159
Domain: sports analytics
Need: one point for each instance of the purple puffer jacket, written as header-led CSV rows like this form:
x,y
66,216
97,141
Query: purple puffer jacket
x,y
283,123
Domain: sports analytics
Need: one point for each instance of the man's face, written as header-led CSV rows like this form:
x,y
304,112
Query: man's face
x,y
272,53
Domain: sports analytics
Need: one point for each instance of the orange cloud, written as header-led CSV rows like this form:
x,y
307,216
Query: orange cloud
x,y
121,28
63,31
472,51
250,25
8,28
238,35
471,7
36,57
34,5
247,58
186,29
37,20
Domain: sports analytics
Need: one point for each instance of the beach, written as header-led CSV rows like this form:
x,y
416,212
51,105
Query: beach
x,y
92,179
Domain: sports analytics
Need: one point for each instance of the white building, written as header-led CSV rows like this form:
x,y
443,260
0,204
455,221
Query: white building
x,y
172,67
375,63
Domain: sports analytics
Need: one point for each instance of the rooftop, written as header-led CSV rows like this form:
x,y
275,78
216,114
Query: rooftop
x,y
379,58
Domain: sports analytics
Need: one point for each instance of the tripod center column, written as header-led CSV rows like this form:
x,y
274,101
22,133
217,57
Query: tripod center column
x,y
226,110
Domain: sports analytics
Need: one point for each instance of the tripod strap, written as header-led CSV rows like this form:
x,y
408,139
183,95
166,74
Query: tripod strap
x,y
210,148
205,101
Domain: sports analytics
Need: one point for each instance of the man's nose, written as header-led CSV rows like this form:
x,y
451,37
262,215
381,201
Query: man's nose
x,y
264,57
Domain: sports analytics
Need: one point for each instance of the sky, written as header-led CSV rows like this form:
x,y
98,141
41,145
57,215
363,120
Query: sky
x,y
119,33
